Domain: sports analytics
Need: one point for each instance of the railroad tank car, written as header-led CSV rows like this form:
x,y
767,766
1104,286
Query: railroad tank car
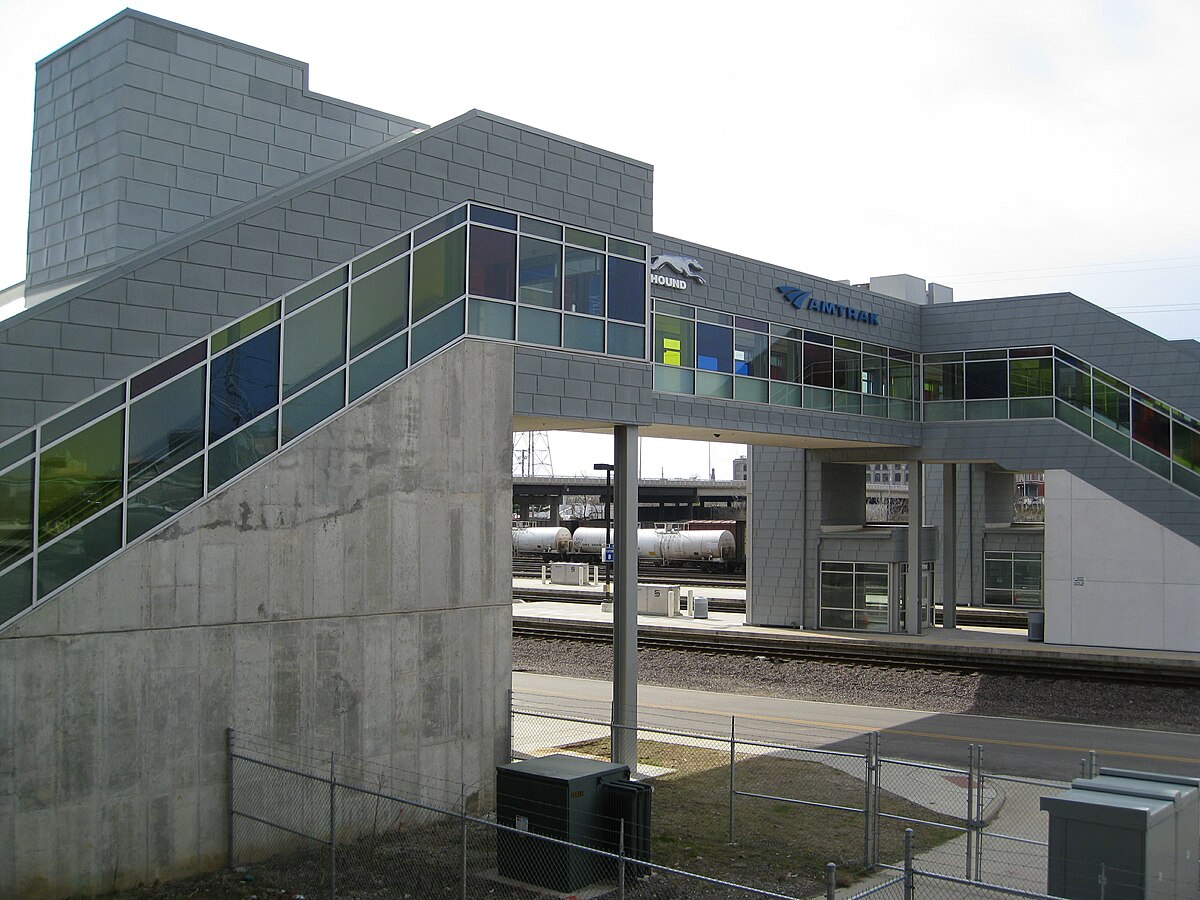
x,y
707,547
542,540
588,542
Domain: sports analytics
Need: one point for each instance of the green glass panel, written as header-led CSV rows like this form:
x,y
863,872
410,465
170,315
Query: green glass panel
x,y
246,327
943,381
16,449
751,390
488,319
713,384
82,414
78,551
439,273
626,340
240,451
313,406
679,310
541,229
378,306
751,354
1076,418
539,326
1110,437
80,476
673,380
943,411
16,513
1185,446
165,428
987,409
1031,408
874,406
583,334
784,394
539,277
1073,385
1151,460
319,288
380,255
435,333
169,495
314,343
900,409
16,590
1186,479
845,402
1031,377
818,398
1110,402
584,238
674,341
626,248
900,380
373,370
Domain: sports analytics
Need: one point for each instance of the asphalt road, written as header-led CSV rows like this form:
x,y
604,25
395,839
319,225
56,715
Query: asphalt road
x,y
1025,747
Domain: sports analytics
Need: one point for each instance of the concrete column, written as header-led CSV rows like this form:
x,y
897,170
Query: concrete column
x,y
555,506
523,510
949,574
625,459
916,518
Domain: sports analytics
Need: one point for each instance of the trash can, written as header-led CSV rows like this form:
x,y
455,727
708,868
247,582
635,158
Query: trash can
x,y
1037,625
699,607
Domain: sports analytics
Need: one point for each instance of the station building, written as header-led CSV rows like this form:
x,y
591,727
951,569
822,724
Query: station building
x,y
255,436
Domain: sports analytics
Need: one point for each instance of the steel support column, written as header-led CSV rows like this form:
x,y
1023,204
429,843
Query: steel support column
x,y
916,518
949,574
625,458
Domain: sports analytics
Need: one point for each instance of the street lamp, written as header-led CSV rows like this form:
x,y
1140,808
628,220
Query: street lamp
x,y
607,468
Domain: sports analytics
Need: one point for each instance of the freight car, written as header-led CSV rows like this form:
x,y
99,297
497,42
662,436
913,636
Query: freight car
x,y
547,542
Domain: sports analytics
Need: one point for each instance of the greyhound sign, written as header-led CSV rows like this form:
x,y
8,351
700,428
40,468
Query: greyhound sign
x,y
686,267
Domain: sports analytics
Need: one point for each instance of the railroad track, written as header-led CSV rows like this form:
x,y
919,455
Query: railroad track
x,y
656,574
954,659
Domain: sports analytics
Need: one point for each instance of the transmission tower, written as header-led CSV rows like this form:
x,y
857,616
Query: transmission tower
x,y
531,454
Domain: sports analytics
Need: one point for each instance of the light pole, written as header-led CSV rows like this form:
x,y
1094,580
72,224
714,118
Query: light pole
x,y
607,468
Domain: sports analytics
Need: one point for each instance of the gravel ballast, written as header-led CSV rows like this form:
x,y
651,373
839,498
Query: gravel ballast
x,y
1055,699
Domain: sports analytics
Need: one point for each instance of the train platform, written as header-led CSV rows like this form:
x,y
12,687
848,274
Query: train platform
x,y
989,647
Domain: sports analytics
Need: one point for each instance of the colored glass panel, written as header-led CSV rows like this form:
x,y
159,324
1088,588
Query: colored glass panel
x,y
711,384
80,476
626,340
493,263
847,370
539,326
78,551
874,375
252,323
541,229
1152,428
1186,446
302,296
942,381
240,451
986,380
439,225
168,369
82,414
376,258
583,282
583,334
626,248
626,290
496,217
314,343
377,367
673,380
490,319
674,341
165,428
751,354
1110,403
1031,377
818,366
439,273
313,406
584,238
540,273
787,361
714,348
164,499
435,333
16,590
751,390
17,448
243,384
378,306
1072,385
16,513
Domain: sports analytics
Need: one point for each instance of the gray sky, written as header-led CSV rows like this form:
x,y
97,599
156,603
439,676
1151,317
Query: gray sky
x,y
1002,148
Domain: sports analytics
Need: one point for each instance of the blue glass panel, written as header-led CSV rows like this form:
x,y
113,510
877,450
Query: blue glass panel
x,y
437,226
541,273
714,347
163,499
313,406
382,364
437,331
243,384
79,551
242,450
493,217
626,290
16,590
493,264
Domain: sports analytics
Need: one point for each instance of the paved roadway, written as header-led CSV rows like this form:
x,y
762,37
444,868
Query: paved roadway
x,y
1024,747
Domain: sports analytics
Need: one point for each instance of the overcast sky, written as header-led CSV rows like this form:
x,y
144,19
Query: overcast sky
x,y
1001,148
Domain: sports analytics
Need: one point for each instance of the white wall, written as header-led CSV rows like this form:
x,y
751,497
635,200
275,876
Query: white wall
x,y
1141,582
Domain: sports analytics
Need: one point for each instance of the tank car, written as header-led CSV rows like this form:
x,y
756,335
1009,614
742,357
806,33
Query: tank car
x,y
541,540
588,542
708,548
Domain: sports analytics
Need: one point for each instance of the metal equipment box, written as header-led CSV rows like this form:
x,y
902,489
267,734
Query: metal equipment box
x,y
560,797
1110,846
658,599
574,574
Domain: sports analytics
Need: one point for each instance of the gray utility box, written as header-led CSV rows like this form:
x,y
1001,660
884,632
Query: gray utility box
x,y
580,801
1184,792
1127,841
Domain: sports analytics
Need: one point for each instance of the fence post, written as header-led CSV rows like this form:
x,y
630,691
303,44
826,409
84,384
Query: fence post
x,y
1091,764
621,858
972,773
980,823
908,864
332,829
830,881
732,766
1102,881
871,804
463,861
229,796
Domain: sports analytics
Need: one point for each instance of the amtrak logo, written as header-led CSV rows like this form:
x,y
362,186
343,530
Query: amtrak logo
x,y
687,266
802,299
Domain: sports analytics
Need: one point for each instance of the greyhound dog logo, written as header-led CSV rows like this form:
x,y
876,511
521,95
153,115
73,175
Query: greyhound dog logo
x,y
687,266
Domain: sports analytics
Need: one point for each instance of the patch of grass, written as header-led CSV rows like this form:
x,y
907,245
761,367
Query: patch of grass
x,y
780,846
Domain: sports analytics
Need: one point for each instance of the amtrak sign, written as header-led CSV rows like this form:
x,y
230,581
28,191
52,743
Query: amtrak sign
x,y
803,299
686,267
